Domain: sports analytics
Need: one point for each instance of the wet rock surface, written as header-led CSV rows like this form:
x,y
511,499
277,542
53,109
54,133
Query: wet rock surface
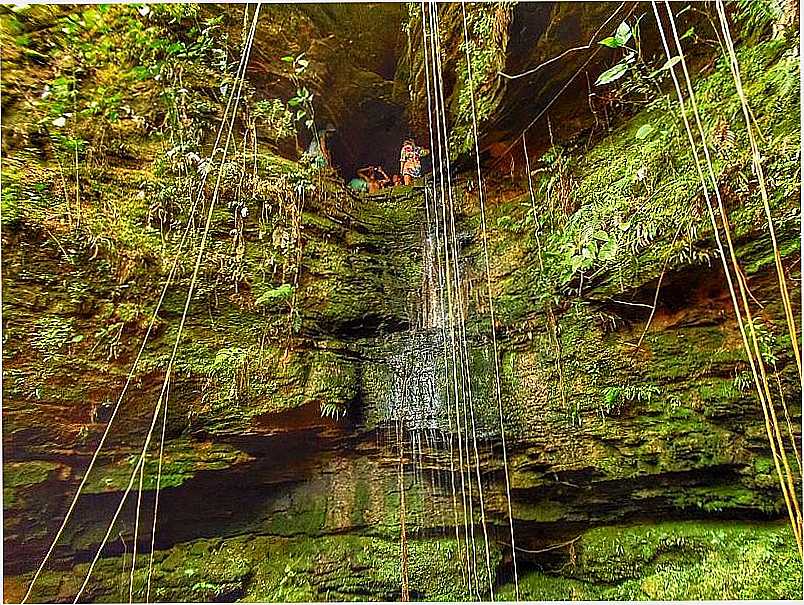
x,y
636,472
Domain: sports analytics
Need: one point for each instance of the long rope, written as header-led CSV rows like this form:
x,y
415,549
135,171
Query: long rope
x,y
750,354
106,431
756,159
190,292
498,388
240,74
447,316
156,507
774,425
463,338
136,534
463,352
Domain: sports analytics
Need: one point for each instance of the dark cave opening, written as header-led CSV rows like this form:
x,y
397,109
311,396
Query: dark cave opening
x,y
371,135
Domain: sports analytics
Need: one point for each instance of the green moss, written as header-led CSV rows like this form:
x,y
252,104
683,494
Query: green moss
x,y
332,382
538,586
674,560
543,512
726,498
642,208
259,568
18,477
183,459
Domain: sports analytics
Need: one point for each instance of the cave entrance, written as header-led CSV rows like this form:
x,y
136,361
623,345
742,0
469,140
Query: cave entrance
x,y
372,134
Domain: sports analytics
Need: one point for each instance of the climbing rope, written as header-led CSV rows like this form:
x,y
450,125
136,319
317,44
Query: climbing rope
x,y
774,424
434,116
756,160
498,388
761,384
467,400
136,534
244,56
129,378
156,507
193,280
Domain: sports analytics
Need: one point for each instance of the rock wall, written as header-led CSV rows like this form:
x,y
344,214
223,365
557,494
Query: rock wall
x,y
638,460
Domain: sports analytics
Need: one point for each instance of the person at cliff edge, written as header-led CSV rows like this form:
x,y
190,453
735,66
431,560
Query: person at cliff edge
x,y
410,161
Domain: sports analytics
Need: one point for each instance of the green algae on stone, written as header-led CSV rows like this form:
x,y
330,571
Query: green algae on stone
x,y
19,476
183,459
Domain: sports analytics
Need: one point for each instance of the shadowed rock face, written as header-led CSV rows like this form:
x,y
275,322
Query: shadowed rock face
x,y
281,476
353,50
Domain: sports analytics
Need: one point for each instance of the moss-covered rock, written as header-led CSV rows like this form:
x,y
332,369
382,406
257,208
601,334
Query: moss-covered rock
x,y
673,560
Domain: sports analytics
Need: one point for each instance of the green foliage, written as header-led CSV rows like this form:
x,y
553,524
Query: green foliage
x,y
275,117
303,99
638,186
332,410
621,36
644,132
230,370
616,397
52,334
271,297
672,560
765,339
743,381
487,25
756,17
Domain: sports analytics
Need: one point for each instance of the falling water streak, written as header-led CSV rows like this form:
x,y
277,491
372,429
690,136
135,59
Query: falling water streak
x,y
463,553
460,313
429,50
402,529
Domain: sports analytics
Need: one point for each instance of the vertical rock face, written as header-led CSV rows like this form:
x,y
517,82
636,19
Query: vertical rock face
x,y
636,450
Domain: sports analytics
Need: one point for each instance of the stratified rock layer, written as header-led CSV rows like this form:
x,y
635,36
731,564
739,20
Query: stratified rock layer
x,y
636,471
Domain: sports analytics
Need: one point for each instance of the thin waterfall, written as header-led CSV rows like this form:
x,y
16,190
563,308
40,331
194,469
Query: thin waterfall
x,y
430,399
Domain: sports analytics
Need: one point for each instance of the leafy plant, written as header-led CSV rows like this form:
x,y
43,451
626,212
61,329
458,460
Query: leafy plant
x,y
303,98
600,246
620,39
644,132
615,397
332,410
282,293
277,117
